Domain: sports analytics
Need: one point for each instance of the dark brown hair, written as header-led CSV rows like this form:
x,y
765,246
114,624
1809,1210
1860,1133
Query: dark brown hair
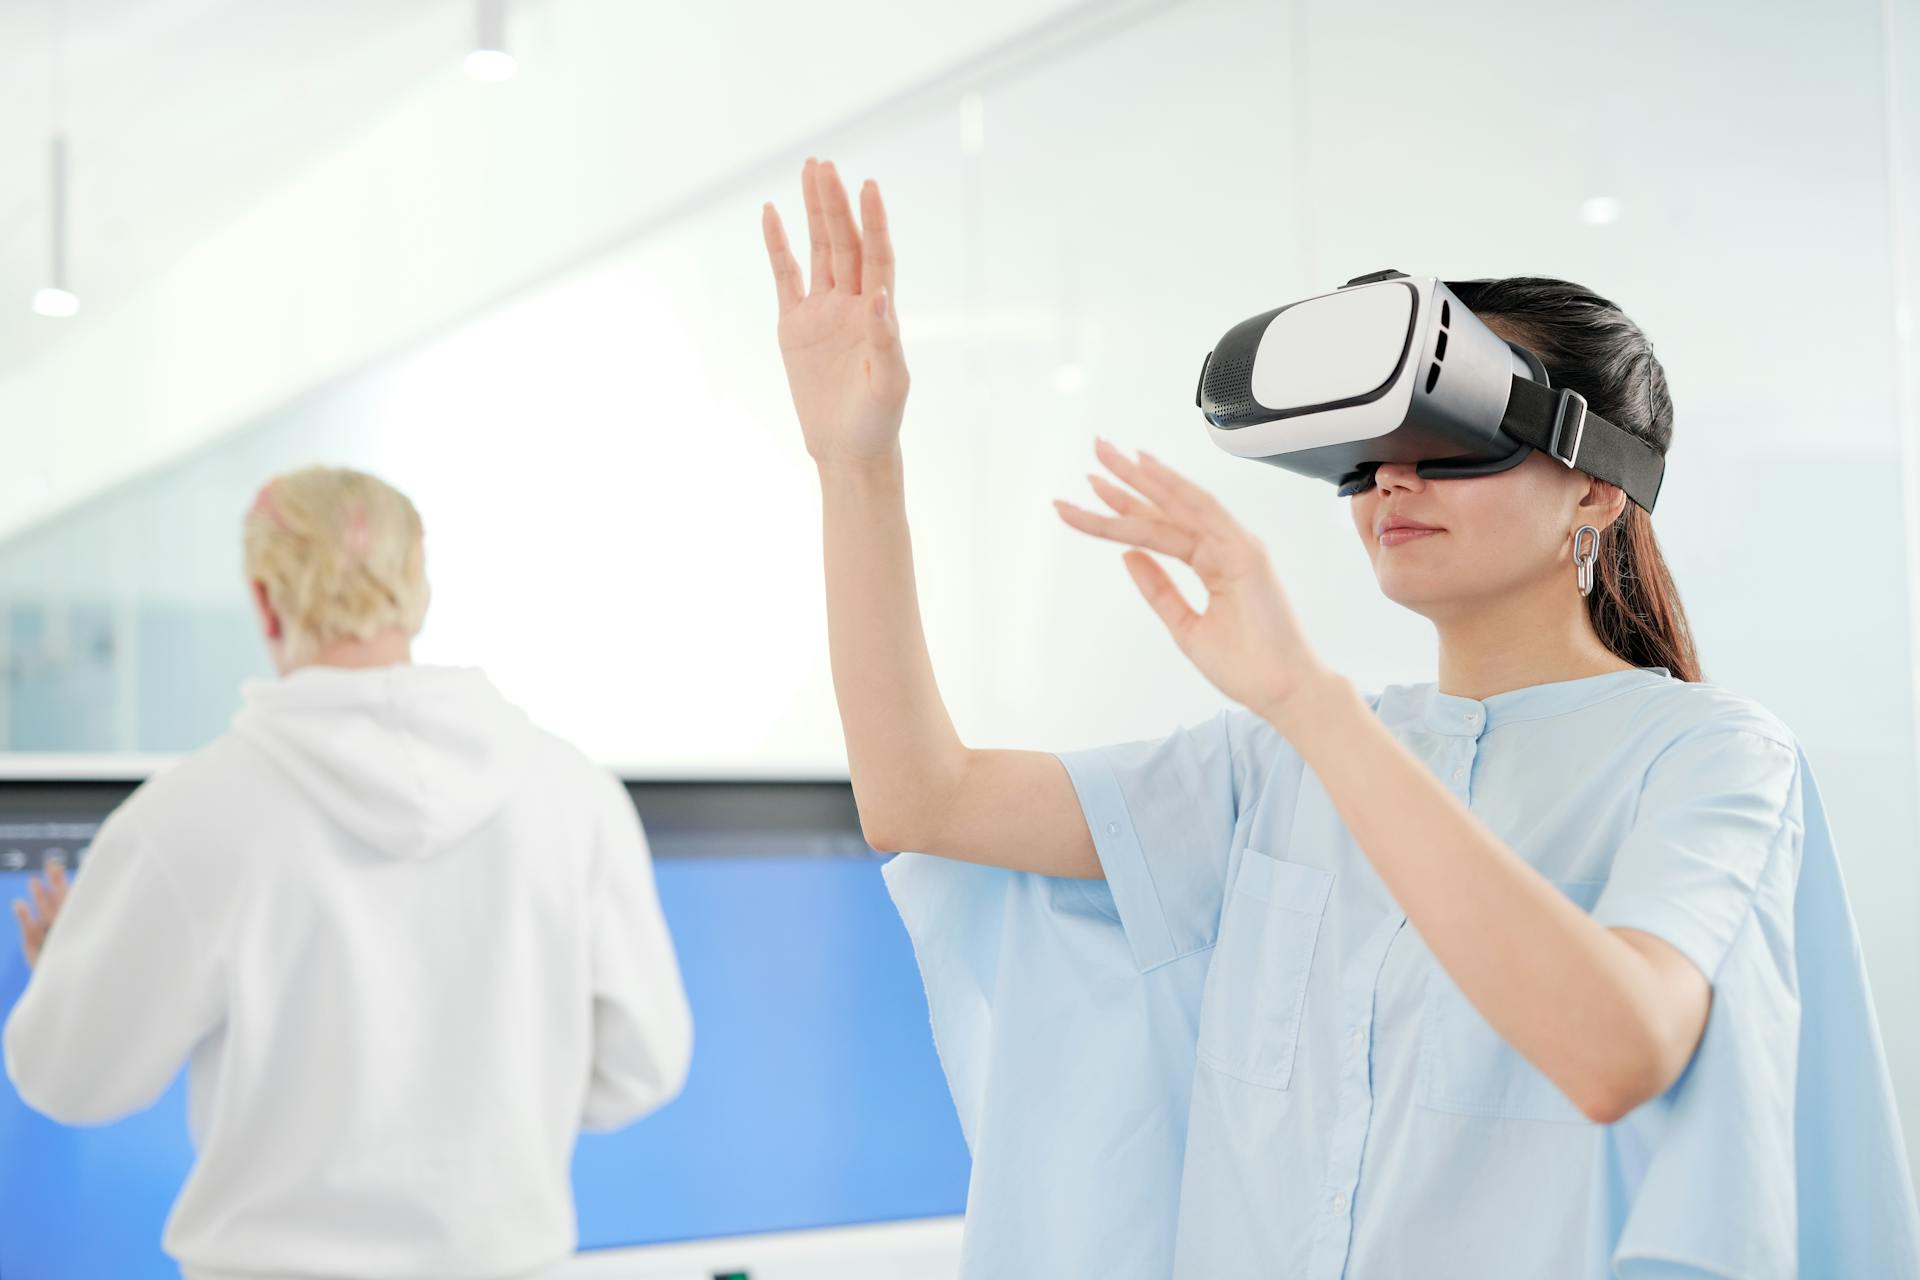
x,y
1589,344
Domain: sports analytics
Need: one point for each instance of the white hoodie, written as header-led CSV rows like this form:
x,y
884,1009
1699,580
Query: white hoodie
x,y
410,944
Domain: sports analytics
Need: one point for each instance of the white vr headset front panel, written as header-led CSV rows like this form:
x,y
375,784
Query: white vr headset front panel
x,y
1339,346
1345,345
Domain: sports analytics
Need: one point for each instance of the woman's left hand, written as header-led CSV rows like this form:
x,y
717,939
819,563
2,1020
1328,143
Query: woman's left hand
x,y
1247,640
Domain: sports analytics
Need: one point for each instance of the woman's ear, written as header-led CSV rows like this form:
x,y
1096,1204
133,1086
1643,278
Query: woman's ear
x,y
1602,504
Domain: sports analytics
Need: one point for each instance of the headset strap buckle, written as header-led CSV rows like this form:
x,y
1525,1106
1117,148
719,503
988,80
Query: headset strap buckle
x,y
1560,423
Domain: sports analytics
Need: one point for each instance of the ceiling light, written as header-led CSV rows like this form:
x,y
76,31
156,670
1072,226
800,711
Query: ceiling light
x,y
490,60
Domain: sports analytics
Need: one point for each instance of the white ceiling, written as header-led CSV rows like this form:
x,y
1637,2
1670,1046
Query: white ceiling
x,y
270,193
179,114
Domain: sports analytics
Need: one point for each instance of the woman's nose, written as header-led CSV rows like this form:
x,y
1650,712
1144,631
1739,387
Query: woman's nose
x,y
1402,476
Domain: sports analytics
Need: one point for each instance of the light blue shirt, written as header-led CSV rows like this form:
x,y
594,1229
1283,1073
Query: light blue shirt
x,y
1235,1057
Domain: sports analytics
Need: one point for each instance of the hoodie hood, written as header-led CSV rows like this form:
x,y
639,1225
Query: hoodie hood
x,y
410,759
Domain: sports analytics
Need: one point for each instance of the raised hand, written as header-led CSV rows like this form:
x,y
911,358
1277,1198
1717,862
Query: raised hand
x,y
1247,640
839,334
48,897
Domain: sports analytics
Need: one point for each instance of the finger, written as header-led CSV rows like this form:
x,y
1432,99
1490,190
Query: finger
x,y
42,900
1135,475
1151,577
57,879
844,236
1132,531
1122,501
1178,503
821,278
32,936
1187,495
883,326
788,284
876,272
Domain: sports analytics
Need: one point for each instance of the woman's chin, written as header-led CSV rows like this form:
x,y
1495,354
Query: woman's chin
x,y
1414,591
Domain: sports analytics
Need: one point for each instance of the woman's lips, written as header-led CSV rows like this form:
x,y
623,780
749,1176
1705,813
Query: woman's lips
x,y
1400,534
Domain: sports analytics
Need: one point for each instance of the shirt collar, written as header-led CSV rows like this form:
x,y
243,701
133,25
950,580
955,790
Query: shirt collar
x,y
1468,717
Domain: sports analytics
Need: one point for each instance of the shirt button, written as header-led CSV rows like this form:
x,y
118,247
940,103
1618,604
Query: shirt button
x,y
1113,828
1473,717
1339,1201
1357,1038
1459,775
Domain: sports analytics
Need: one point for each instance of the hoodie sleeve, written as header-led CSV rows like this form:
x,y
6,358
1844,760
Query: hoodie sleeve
x,y
642,1027
127,984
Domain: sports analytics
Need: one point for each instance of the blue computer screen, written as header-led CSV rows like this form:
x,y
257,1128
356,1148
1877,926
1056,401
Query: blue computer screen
x,y
815,1098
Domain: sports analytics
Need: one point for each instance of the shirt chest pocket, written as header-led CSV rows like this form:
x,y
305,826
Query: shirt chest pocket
x,y
1257,981
1467,1069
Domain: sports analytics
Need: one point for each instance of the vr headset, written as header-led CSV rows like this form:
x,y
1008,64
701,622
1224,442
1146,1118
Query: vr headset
x,y
1394,368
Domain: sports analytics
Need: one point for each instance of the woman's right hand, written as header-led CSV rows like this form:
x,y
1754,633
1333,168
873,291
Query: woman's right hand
x,y
840,337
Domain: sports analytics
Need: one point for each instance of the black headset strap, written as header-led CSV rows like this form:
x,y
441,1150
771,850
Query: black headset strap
x,y
1556,422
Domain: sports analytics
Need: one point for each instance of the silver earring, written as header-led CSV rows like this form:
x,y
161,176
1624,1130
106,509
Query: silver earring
x,y
1583,561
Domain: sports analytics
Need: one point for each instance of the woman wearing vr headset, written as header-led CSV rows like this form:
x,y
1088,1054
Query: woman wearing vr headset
x,y
1490,977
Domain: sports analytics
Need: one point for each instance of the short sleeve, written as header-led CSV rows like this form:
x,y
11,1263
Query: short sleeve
x,y
1715,809
1162,814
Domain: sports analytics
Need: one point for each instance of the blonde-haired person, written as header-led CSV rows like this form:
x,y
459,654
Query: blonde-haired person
x,y
409,943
